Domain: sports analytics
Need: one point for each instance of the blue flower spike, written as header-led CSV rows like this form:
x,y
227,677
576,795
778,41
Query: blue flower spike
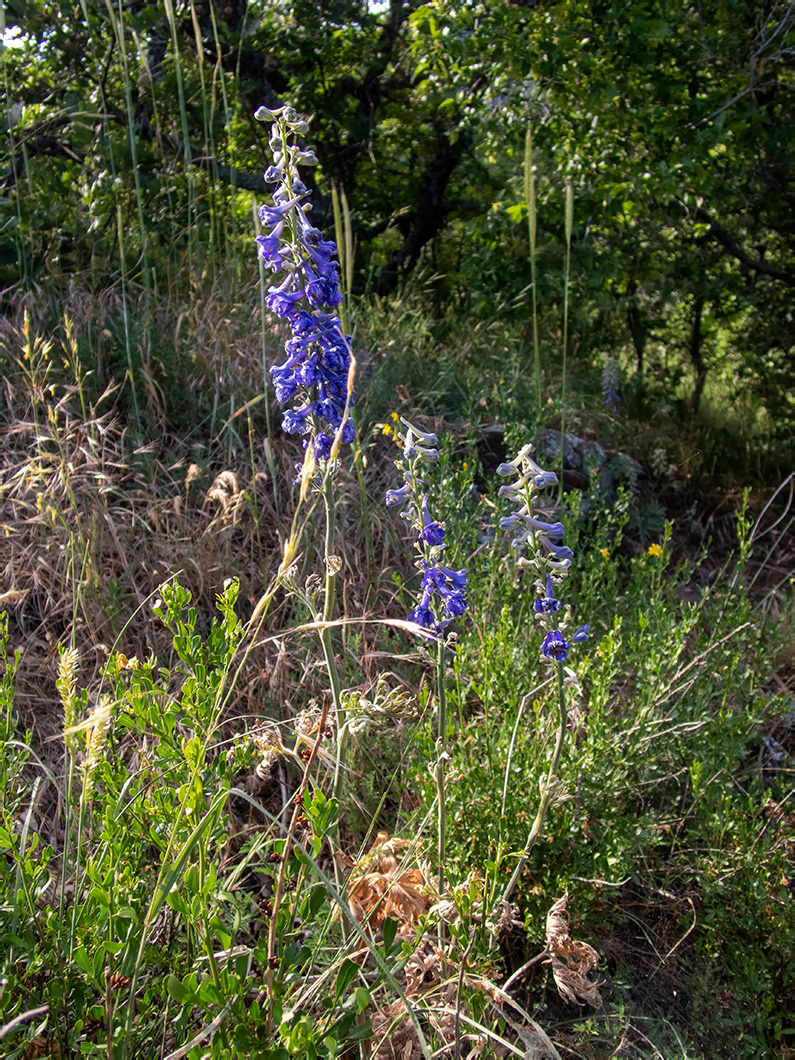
x,y
318,365
537,541
443,596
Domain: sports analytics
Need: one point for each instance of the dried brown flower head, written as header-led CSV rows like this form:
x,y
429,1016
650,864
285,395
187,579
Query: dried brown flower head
x,y
380,887
268,748
571,960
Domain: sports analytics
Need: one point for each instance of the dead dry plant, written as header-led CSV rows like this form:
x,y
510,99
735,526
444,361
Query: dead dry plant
x,y
571,961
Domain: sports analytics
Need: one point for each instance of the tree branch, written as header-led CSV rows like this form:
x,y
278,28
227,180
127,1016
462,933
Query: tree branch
x,y
427,218
729,243
35,145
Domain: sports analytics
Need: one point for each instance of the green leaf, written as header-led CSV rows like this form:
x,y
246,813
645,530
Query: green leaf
x,y
390,931
362,998
348,971
178,991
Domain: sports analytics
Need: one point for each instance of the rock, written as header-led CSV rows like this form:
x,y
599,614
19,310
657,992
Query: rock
x,y
579,454
490,447
550,451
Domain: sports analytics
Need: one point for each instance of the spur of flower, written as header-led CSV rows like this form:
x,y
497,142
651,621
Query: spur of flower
x,y
316,375
538,541
443,596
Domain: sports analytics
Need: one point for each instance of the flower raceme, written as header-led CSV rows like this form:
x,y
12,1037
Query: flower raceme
x,y
611,383
542,539
318,365
443,590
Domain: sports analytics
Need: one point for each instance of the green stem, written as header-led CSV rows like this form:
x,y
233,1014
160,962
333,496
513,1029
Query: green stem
x,y
330,562
368,537
566,273
546,794
530,199
205,924
440,750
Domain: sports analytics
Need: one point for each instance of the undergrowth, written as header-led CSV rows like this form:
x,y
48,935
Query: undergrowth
x,y
166,812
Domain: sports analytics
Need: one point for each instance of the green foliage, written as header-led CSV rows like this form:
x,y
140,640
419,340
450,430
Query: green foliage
x,y
677,147
137,912
663,794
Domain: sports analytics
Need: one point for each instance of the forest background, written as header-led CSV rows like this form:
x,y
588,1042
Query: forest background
x,y
570,214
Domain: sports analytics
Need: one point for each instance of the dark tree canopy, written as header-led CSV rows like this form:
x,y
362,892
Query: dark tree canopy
x,y
672,122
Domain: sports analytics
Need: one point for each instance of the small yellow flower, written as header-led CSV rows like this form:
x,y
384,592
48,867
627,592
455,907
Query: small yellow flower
x,y
395,417
466,466
605,552
655,550
385,428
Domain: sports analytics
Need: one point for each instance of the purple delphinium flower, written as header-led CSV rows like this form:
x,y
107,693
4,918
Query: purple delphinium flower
x,y
547,605
422,613
611,382
294,421
447,592
318,353
545,554
554,646
322,444
396,497
432,533
449,587
443,589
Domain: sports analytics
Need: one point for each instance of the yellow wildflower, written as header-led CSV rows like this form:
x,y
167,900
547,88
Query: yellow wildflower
x,y
605,552
655,550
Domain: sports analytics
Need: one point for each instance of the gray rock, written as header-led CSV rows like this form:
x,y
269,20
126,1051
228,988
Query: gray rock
x,y
579,454
550,446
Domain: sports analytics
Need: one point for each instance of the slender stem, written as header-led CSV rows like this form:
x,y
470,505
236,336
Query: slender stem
x,y
298,809
566,273
441,692
530,199
546,794
206,932
331,565
366,521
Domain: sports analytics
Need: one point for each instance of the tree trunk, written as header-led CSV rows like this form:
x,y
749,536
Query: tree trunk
x,y
637,328
427,218
696,356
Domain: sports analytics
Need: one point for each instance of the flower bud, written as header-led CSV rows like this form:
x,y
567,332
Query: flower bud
x,y
430,455
424,436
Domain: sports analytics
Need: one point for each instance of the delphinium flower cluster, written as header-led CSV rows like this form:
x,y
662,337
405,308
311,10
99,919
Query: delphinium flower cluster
x,y
539,543
315,375
443,598
443,591
611,382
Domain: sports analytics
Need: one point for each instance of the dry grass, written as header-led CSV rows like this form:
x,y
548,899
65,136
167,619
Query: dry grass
x,y
93,521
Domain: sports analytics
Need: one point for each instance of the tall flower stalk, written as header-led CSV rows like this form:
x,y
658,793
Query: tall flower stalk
x,y
315,381
611,383
317,376
442,598
530,199
538,543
